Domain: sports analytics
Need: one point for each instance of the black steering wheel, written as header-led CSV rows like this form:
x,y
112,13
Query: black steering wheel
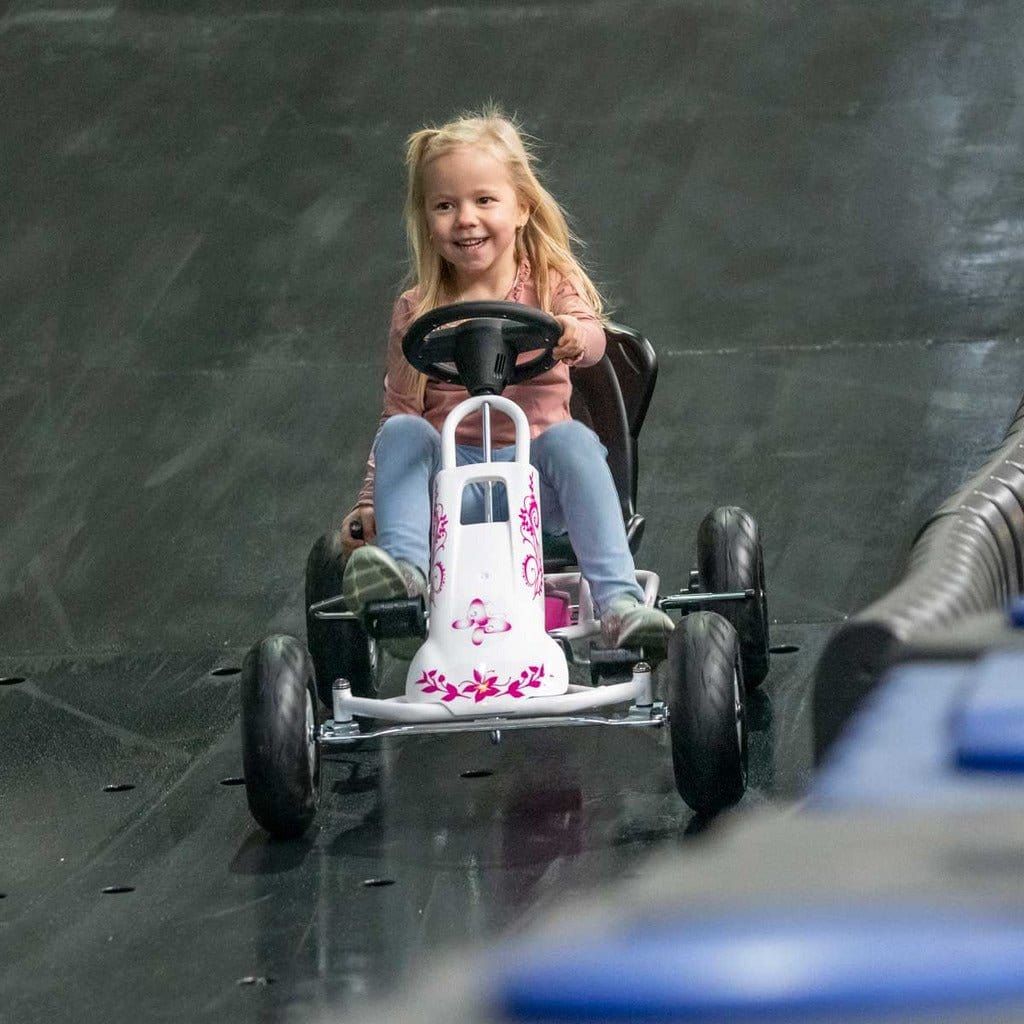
x,y
481,354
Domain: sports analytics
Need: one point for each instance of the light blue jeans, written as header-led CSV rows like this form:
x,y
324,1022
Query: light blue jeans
x,y
577,496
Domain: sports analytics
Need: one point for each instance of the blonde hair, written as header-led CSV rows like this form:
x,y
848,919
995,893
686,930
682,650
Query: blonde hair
x,y
545,240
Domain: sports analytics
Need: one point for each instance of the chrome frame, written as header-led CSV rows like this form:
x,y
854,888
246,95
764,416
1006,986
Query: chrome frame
x,y
697,598
343,729
341,733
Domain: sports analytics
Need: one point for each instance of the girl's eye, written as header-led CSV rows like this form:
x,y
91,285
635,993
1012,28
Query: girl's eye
x,y
444,206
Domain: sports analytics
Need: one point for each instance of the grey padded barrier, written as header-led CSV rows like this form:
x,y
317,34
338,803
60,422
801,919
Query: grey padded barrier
x,y
967,559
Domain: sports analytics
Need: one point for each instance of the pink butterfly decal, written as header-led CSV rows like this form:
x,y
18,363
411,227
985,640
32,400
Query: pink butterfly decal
x,y
481,623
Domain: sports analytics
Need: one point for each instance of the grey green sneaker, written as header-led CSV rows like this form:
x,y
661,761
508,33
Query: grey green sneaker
x,y
371,574
628,623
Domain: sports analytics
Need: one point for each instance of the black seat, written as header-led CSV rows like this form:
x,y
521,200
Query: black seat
x,y
612,397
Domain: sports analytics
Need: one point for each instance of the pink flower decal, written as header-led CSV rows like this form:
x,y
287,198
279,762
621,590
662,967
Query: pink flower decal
x,y
431,682
529,527
438,539
484,685
481,623
533,676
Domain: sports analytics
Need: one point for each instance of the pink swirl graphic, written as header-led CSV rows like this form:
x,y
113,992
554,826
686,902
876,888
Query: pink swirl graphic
x,y
438,539
529,530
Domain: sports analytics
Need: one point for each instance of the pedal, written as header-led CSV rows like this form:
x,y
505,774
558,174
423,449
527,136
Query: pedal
x,y
615,656
400,617
612,662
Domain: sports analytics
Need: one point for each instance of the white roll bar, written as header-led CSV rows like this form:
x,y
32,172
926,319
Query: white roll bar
x,y
469,406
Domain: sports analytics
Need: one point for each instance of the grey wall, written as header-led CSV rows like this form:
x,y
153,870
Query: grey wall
x,y
812,211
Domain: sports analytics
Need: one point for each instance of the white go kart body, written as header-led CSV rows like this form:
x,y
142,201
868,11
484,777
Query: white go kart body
x,y
487,646
488,650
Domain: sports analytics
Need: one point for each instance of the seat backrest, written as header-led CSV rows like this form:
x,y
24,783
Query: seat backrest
x,y
612,398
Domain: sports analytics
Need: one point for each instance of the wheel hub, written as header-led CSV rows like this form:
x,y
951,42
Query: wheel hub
x,y
737,690
310,736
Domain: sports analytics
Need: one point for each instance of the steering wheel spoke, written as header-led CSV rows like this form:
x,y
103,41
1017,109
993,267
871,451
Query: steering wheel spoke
x,y
439,346
523,337
533,367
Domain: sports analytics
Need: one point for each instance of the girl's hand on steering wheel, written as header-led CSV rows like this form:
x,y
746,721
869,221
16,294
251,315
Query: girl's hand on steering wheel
x,y
359,527
570,348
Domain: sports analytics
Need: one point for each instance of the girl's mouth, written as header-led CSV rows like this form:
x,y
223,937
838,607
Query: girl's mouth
x,y
473,243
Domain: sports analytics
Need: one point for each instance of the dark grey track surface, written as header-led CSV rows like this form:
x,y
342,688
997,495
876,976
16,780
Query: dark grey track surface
x,y
813,211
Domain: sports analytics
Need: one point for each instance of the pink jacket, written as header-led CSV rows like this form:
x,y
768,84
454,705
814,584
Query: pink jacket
x,y
544,399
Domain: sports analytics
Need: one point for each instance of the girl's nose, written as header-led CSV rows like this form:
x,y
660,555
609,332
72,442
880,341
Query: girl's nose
x,y
467,213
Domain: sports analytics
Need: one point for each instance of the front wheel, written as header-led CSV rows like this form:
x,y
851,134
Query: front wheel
x,y
280,755
707,718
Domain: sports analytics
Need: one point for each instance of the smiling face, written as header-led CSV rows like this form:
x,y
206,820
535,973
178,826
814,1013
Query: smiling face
x,y
472,213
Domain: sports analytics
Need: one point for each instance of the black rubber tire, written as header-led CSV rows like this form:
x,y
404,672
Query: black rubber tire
x,y
340,649
707,712
280,761
730,558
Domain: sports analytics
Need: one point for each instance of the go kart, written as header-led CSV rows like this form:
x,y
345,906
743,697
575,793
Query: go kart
x,y
508,611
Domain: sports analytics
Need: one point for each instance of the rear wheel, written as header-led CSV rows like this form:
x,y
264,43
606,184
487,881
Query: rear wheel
x,y
707,718
339,648
730,559
280,754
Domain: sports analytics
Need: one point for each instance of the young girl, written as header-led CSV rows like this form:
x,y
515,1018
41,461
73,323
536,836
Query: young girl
x,y
481,226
